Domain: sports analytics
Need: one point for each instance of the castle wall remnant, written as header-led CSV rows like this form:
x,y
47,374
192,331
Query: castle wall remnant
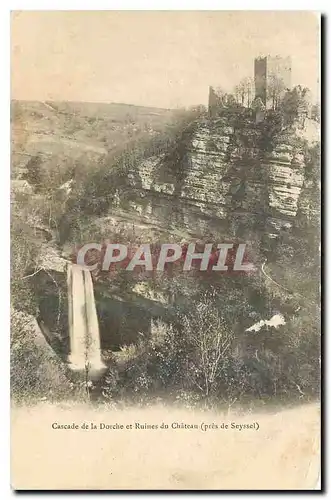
x,y
215,100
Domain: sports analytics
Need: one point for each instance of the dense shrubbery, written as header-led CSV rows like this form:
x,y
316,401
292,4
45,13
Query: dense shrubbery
x,y
35,370
24,253
204,360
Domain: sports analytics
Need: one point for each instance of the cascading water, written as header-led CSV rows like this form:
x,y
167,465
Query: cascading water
x,y
84,335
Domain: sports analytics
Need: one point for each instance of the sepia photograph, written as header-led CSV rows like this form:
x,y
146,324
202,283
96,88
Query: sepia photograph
x,y
165,279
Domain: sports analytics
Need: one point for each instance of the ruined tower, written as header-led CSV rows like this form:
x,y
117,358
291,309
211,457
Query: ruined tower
x,y
272,78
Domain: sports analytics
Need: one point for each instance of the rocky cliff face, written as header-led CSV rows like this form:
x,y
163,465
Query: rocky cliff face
x,y
228,171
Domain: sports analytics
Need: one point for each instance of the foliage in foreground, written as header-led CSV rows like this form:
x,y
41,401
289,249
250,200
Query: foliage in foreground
x,y
35,371
203,361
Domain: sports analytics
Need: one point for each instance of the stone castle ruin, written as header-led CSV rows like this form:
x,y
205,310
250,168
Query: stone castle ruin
x,y
272,78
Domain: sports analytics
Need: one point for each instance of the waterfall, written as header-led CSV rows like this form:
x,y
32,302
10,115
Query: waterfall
x,y
85,348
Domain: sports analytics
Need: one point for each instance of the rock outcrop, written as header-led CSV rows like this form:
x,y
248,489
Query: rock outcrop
x,y
226,172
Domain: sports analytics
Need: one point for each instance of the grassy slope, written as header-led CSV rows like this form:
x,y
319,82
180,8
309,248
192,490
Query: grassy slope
x,y
70,130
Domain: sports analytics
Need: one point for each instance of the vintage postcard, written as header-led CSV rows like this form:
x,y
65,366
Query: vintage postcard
x,y
165,250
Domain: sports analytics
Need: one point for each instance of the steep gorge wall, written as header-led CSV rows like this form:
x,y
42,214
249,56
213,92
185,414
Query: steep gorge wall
x,y
225,173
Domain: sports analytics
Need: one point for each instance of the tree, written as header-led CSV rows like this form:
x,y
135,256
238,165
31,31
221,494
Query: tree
x,y
231,101
295,105
240,93
209,342
34,171
244,91
249,86
275,90
316,113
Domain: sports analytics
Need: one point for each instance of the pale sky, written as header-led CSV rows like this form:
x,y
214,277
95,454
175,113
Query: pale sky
x,y
153,58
